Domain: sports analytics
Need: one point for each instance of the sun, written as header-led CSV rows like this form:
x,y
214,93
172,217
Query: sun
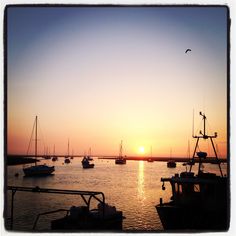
x,y
141,150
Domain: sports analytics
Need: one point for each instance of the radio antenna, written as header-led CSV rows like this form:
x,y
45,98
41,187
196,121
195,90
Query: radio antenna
x,y
193,125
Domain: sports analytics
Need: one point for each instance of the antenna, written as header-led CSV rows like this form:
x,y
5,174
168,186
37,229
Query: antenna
x,y
193,125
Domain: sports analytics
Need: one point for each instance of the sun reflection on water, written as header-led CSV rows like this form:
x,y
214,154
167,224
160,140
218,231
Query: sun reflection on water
x,y
141,191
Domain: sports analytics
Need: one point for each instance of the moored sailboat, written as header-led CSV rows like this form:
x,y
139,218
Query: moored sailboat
x,y
120,159
37,170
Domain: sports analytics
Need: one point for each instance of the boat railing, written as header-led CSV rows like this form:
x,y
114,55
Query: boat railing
x,y
85,195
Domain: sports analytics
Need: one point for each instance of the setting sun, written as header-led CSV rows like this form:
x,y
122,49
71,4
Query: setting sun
x,y
141,150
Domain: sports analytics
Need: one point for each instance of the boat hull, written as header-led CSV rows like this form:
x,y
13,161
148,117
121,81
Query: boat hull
x,y
89,223
120,161
39,170
188,219
87,166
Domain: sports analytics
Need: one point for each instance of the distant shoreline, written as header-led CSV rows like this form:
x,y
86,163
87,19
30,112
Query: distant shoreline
x,y
25,159
18,160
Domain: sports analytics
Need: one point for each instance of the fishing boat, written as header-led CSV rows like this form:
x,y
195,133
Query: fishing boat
x,y
86,164
120,159
199,200
37,170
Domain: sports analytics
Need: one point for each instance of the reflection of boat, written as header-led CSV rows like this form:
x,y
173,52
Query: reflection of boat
x,y
171,164
120,159
199,201
86,164
37,170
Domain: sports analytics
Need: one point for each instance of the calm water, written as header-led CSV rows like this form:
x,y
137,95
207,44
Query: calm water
x,y
134,188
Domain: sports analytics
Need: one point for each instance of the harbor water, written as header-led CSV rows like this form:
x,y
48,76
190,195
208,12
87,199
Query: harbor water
x,y
134,188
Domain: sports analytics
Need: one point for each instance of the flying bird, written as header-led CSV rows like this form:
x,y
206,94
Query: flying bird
x,y
188,50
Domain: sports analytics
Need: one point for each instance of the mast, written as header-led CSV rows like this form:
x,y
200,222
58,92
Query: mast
x,y
68,147
36,134
203,135
120,154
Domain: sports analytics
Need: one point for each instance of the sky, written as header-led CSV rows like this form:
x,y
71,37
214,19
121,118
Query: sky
x,y
99,75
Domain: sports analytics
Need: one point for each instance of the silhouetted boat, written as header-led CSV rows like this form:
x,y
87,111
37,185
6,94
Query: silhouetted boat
x,y
199,201
150,159
54,158
105,217
37,170
86,164
120,159
67,160
171,164
67,157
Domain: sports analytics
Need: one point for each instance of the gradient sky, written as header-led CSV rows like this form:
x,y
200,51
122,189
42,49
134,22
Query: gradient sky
x,y
98,75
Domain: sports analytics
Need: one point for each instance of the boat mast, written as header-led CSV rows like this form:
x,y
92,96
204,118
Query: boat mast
x,y
36,133
68,148
120,154
205,136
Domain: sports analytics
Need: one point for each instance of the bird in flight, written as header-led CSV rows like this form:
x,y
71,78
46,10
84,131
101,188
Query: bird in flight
x,y
188,50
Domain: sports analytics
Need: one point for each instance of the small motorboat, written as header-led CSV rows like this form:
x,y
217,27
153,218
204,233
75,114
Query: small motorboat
x,y
67,160
86,164
105,217
171,164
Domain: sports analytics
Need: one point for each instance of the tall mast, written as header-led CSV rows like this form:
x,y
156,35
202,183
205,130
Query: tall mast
x,y
121,149
36,130
68,147
205,136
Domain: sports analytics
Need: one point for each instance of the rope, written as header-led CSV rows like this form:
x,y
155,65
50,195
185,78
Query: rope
x,y
31,137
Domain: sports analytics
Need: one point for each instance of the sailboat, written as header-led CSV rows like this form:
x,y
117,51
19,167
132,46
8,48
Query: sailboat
x,y
54,158
150,158
37,170
171,163
67,160
120,159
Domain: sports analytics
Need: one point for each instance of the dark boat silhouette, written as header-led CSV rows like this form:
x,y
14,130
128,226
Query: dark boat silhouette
x,y
120,159
86,163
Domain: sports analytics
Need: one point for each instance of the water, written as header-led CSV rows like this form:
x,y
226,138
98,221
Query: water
x,y
134,188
